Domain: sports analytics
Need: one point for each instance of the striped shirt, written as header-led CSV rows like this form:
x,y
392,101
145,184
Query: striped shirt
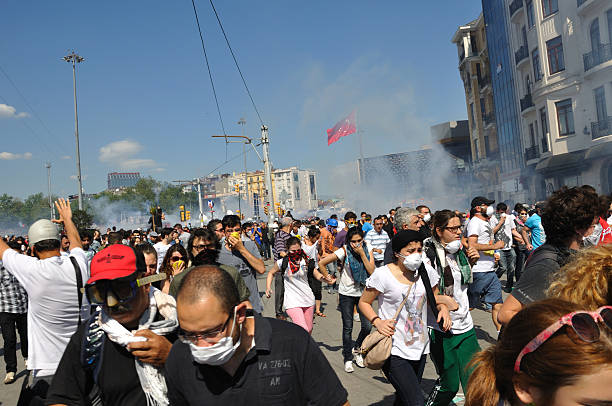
x,y
13,297
280,243
378,241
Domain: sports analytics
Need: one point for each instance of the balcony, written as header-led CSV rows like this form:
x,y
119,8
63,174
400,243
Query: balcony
x,y
515,6
597,56
489,119
526,103
484,81
532,153
601,128
521,54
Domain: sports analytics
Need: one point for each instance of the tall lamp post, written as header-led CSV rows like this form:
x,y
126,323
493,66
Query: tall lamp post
x,y
73,58
242,123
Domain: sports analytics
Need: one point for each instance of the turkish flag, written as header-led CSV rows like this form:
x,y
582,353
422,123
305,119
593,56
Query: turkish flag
x,y
344,127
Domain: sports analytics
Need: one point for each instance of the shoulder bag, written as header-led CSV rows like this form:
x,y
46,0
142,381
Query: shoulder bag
x,y
376,348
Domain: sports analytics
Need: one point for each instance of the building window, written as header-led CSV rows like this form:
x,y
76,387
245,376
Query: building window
x,y
565,117
544,123
313,191
532,137
295,177
530,14
609,13
600,105
297,193
549,7
537,68
482,107
472,114
554,48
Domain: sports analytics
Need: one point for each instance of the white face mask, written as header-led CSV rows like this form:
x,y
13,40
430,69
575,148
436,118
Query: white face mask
x,y
453,247
412,261
490,211
219,353
427,217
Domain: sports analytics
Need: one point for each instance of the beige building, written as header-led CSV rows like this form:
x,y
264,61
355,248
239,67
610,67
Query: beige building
x,y
475,72
563,71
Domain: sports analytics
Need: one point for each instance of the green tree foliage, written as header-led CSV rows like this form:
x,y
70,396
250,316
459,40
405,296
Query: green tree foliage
x,y
82,219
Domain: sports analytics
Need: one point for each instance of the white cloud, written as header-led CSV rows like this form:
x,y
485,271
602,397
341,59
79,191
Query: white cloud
x,y
7,111
9,156
122,154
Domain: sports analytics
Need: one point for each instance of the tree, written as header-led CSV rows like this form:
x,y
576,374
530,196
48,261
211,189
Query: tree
x,y
81,219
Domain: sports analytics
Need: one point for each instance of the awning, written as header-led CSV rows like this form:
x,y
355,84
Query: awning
x,y
562,161
599,151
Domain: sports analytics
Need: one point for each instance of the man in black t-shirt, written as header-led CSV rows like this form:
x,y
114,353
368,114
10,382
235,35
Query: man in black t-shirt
x,y
227,357
103,350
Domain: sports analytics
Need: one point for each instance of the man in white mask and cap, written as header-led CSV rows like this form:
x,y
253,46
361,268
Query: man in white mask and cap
x,y
227,355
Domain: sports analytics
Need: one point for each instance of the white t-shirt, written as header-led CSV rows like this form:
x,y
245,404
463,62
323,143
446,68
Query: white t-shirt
x,y
462,319
346,284
161,249
297,289
52,304
378,241
311,251
411,339
483,230
505,233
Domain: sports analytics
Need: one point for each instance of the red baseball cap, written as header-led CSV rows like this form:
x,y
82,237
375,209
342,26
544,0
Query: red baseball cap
x,y
115,261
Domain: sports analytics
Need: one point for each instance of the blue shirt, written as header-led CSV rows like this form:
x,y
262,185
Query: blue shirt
x,y
538,237
366,227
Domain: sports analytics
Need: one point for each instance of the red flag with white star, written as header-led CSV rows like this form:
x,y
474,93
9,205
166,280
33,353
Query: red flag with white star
x,y
344,127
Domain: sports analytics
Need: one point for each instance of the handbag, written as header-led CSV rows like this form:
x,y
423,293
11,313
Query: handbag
x,y
376,347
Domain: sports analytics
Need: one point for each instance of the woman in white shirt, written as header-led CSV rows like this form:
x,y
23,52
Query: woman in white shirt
x,y
358,263
299,300
390,284
452,350
312,248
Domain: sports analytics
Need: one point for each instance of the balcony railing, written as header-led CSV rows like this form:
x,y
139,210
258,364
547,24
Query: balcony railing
x,y
597,56
515,6
489,118
532,153
521,54
526,102
484,81
601,128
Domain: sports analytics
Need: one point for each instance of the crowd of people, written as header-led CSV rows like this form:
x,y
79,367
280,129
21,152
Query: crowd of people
x,y
174,315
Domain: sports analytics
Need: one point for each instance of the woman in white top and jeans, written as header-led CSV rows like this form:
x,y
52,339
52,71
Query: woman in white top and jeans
x,y
390,284
358,261
452,350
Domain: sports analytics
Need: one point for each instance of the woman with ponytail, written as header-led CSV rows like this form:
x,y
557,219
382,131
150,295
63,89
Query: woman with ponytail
x,y
552,353
299,300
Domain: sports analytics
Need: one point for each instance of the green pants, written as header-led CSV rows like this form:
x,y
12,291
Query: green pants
x,y
451,354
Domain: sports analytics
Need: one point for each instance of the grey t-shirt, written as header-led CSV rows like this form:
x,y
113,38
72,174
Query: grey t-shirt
x,y
248,273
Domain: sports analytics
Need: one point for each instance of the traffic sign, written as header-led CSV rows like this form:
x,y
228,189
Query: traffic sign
x,y
211,204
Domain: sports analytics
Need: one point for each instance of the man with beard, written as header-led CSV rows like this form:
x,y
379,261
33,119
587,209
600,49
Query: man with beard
x,y
203,249
86,240
121,348
225,357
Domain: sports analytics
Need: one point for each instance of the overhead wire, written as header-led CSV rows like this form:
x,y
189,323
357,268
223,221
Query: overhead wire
x,y
236,62
212,83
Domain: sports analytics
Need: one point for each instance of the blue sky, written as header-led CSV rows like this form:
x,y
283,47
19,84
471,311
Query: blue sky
x,y
145,101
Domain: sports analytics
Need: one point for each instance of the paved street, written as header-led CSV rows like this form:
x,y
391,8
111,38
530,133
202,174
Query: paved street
x,y
365,387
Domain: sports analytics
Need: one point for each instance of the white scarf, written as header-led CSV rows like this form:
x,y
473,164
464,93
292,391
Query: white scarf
x,y
151,377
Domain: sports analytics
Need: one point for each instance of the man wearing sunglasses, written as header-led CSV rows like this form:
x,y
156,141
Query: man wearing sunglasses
x,y
50,280
225,357
123,347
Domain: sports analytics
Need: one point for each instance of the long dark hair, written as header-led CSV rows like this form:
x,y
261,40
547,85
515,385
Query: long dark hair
x,y
165,266
440,220
349,235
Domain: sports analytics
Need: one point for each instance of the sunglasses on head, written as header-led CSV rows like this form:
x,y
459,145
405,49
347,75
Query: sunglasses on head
x,y
583,323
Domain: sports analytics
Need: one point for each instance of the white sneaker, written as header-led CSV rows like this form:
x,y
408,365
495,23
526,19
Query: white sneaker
x,y
348,367
359,360
10,377
356,317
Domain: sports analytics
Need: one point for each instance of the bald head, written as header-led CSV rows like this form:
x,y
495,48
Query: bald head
x,y
206,280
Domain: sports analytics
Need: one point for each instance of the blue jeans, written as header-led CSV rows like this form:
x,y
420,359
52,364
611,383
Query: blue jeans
x,y
507,263
347,303
405,376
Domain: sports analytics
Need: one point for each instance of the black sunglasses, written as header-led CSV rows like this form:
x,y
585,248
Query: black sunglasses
x,y
123,289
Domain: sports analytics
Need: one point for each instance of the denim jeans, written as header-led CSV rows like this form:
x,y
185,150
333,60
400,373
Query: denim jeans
x,y
405,376
507,262
347,303
521,257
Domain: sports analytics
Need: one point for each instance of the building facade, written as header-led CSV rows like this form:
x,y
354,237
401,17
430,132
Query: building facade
x,y
118,180
563,67
295,189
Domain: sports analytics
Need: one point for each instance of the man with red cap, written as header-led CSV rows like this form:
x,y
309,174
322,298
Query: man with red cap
x,y
123,347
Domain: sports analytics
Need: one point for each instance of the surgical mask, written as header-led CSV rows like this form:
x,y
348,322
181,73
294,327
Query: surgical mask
x,y
453,247
427,217
351,225
490,211
413,261
217,354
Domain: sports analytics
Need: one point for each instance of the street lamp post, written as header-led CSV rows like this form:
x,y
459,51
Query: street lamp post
x,y
242,122
73,58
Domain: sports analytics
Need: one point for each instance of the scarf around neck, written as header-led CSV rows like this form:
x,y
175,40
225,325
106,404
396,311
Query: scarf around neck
x,y
358,270
446,277
151,378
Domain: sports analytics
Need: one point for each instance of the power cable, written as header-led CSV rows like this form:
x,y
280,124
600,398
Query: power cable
x,y
236,62
212,83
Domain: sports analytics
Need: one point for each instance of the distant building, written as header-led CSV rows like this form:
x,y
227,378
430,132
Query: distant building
x,y
117,180
295,189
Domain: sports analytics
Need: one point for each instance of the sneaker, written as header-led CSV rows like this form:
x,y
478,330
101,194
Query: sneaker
x,y
356,317
10,377
359,360
348,367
